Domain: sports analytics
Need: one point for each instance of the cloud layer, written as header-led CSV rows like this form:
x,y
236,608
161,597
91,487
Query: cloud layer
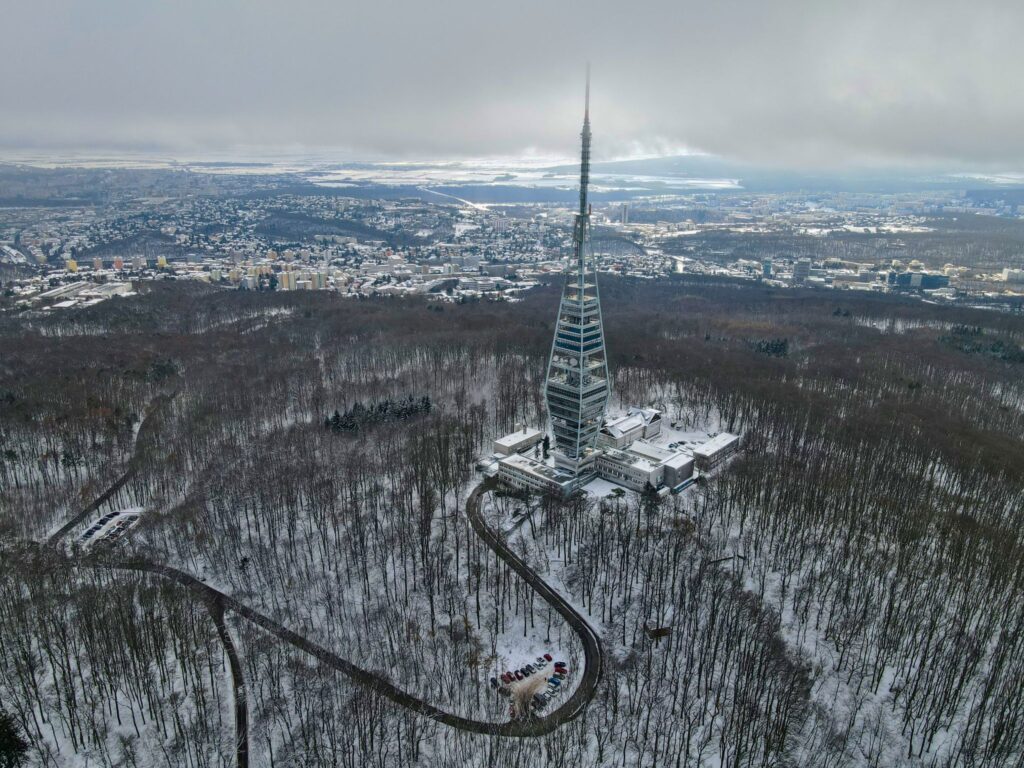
x,y
782,83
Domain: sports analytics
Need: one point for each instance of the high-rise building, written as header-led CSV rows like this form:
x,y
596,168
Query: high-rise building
x,y
1013,275
576,389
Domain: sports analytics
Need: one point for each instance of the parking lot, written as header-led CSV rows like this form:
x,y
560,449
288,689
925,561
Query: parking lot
x,y
531,687
110,528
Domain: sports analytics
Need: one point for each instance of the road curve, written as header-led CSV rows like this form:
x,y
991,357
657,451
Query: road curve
x,y
593,653
536,726
155,405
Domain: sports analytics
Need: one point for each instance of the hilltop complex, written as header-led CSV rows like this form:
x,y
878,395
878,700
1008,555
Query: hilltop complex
x,y
625,450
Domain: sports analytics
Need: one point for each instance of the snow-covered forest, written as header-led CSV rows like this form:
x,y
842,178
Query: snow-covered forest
x,y
847,592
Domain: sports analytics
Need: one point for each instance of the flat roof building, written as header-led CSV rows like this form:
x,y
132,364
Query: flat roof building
x,y
517,442
627,455
715,451
528,474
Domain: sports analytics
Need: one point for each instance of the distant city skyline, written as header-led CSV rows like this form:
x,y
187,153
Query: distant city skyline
x,y
787,84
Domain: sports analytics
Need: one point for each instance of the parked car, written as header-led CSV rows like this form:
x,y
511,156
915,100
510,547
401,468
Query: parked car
x,y
494,682
554,681
547,657
519,675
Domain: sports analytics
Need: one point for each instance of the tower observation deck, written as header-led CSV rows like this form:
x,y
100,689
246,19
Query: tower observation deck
x,y
576,389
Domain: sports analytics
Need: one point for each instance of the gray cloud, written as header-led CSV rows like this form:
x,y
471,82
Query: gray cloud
x,y
773,82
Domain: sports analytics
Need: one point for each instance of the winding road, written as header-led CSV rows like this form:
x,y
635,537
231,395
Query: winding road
x,y
219,602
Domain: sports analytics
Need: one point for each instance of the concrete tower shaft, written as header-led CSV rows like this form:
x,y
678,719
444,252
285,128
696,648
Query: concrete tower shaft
x,y
577,385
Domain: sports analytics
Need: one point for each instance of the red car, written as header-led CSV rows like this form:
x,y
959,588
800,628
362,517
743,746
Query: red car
x,y
519,675
547,656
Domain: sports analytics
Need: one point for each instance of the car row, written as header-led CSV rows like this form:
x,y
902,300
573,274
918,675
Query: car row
x,y
552,679
91,530
118,529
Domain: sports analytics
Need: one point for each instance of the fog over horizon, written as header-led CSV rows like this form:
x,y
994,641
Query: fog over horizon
x,y
873,84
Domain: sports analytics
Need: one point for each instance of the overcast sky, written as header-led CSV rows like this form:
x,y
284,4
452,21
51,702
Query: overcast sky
x,y
803,84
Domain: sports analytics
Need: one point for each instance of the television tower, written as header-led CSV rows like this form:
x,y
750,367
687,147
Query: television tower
x,y
577,389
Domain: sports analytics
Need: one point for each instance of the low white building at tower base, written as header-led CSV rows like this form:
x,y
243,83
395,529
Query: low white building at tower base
x,y
517,442
634,452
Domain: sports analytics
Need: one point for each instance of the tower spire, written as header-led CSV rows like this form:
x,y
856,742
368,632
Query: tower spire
x,y
583,217
586,103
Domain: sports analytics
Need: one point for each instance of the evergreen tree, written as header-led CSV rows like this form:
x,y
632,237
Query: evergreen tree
x,y
13,746
650,499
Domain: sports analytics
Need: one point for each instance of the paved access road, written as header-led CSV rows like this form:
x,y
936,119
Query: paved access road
x,y
158,403
535,726
593,654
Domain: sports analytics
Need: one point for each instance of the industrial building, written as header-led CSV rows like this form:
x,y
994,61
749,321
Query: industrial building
x,y
917,279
